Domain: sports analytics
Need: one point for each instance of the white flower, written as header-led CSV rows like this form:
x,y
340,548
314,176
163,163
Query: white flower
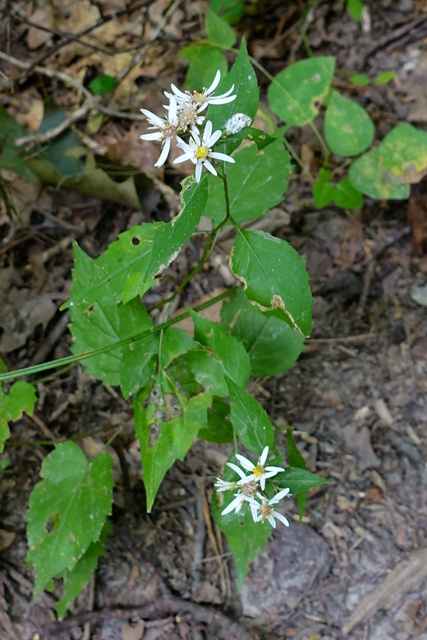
x,y
237,122
198,151
263,511
205,97
235,505
167,129
223,485
260,473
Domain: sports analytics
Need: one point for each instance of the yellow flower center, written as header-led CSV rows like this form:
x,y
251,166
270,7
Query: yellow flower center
x,y
202,153
198,97
258,471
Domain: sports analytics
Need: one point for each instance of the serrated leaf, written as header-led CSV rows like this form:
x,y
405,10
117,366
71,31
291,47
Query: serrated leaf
x,y
67,510
170,237
270,166
75,580
117,274
297,93
165,438
250,421
20,398
204,61
273,347
218,30
274,276
348,128
229,352
243,76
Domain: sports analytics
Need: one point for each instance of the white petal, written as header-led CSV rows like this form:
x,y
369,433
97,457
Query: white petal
x,y
282,519
152,136
254,512
178,92
198,172
262,482
221,156
221,100
153,118
213,138
214,84
271,521
172,111
236,469
165,152
275,469
279,496
263,457
246,464
210,168
207,133
233,505
183,158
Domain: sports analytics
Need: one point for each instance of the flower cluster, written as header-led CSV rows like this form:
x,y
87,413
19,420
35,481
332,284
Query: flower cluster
x,y
250,489
185,116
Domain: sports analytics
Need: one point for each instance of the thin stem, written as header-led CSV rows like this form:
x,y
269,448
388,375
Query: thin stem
x,y
54,364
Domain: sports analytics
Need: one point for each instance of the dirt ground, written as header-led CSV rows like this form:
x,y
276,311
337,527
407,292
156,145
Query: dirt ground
x,y
356,567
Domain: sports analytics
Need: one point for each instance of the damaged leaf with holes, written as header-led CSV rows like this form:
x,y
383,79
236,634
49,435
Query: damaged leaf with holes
x,y
68,510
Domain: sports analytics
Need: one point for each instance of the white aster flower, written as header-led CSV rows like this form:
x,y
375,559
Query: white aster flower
x,y
199,151
167,129
262,511
205,97
222,485
259,473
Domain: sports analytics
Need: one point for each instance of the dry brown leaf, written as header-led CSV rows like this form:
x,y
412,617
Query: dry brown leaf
x,y
42,16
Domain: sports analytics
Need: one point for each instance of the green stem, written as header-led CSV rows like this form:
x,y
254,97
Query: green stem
x,y
54,364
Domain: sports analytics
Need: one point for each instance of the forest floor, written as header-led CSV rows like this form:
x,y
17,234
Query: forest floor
x,y
356,566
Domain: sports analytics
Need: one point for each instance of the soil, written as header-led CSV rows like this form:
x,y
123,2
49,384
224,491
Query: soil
x,y
356,566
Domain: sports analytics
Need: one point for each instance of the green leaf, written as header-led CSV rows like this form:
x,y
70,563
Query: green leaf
x,y
259,137
385,77
272,345
205,61
102,85
67,510
116,276
208,372
274,276
218,427
296,459
166,423
245,538
232,10
270,166
297,93
298,480
218,30
322,189
20,398
75,580
348,128
170,237
404,150
368,174
10,159
360,80
58,153
228,350
250,421
243,76
355,9
346,196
